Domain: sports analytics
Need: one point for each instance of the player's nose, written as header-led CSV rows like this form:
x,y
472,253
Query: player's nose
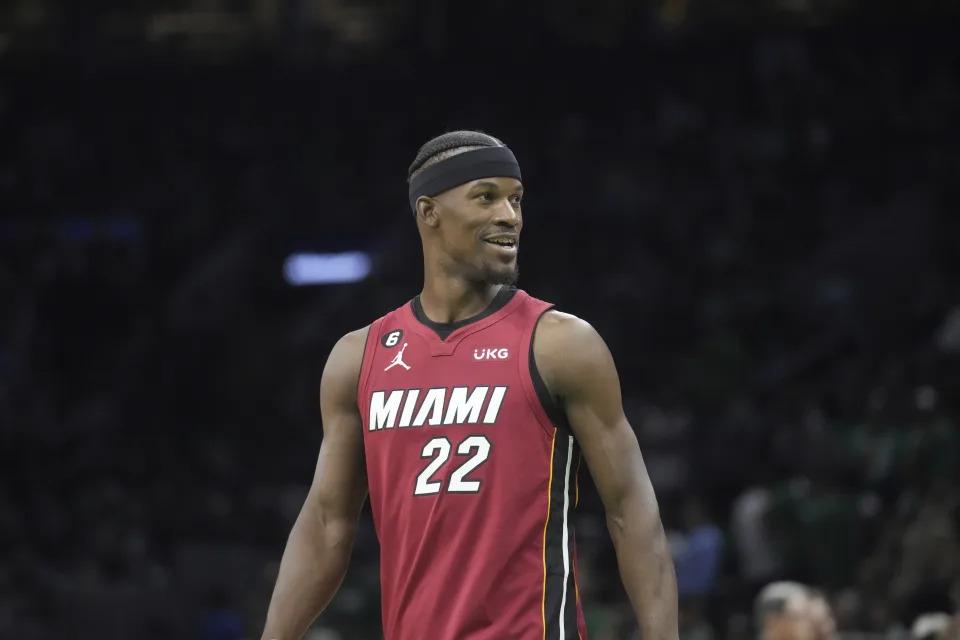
x,y
506,215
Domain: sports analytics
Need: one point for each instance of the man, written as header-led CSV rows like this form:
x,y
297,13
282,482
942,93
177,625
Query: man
x,y
782,611
464,414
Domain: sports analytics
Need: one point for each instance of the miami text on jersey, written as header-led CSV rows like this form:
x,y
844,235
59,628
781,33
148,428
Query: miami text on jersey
x,y
440,406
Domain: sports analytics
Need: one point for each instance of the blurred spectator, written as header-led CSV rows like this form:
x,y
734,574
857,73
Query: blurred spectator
x,y
782,612
821,612
697,551
932,626
757,555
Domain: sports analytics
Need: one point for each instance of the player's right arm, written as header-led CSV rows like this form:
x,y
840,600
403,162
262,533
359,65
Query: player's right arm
x,y
318,549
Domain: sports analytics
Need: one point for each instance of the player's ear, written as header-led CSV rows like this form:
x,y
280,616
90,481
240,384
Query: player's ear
x,y
427,210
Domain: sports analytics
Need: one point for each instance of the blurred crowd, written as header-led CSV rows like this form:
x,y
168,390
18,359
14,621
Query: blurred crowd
x,y
758,225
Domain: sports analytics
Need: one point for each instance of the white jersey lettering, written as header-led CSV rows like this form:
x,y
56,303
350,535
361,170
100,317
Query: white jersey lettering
x,y
440,406
408,407
432,406
493,409
383,410
464,410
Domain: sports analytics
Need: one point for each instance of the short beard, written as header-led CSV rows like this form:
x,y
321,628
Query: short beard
x,y
508,278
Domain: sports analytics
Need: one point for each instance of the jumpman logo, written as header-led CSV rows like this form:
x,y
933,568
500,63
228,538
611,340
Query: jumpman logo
x,y
398,360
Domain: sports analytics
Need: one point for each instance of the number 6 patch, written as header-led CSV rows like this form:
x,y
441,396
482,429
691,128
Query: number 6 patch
x,y
392,339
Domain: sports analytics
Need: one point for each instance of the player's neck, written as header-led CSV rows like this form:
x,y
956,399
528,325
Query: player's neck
x,y
447,299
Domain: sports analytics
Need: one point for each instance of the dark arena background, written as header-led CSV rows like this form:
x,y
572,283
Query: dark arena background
x,y
754,201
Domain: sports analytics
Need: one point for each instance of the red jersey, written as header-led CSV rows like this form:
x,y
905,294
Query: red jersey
x,y
472,476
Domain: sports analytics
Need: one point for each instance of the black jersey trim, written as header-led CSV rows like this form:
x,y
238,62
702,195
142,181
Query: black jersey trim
x,y
364,374
444,329
560,605
549,403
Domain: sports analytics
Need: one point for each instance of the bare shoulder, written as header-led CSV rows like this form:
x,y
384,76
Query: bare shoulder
x,y
569,352
558,328
342,370
351,345
563,336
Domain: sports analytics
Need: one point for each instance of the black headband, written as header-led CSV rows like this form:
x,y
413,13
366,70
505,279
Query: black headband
x,y
489,162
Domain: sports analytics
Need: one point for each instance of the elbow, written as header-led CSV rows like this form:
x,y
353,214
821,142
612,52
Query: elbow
x,y
616,523
332,533
338,536
632,518
616,512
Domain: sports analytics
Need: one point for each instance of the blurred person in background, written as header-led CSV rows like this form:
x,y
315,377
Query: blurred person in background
x,y
697,553
758,557
934,626
821,612
782,611
953,630
473,516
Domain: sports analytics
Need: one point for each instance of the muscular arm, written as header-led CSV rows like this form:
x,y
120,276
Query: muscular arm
x,y
579,370
318,549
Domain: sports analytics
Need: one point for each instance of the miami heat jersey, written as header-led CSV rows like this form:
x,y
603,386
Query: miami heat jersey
x,y
472,476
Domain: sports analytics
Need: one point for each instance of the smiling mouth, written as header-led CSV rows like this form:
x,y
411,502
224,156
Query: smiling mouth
x,y
507,243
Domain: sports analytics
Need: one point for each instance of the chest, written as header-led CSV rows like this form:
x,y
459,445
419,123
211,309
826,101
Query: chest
x,y
417,382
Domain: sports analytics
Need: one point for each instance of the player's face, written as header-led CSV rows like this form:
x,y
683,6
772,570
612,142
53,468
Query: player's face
x,y
480,223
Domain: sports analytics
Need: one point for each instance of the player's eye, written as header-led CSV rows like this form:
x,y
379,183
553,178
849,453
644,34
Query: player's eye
x,y
516,199
486,196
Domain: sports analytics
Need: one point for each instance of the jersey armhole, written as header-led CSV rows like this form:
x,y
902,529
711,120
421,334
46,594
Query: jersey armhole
x,y
545,406
366,359
550,405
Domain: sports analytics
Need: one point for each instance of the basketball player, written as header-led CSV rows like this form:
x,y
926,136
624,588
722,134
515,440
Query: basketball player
x,y
463,414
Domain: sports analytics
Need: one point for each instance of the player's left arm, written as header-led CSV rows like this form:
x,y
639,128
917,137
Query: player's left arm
x,y
577,367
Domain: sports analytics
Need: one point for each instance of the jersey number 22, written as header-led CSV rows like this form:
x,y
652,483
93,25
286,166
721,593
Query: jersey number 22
x,y
475,448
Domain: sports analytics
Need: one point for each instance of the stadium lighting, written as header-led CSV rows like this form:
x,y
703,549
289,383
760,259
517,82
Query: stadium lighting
x,y
302,269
